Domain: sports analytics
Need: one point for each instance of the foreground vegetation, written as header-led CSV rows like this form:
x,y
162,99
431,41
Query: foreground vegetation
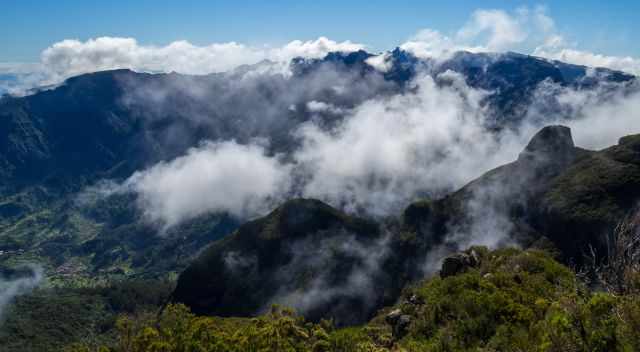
x,y
512,300
50,319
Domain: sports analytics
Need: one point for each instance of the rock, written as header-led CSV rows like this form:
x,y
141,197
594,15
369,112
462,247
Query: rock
x,y
458,263
415,300
552,145
399,322
393,317
401,327
475,258
518,279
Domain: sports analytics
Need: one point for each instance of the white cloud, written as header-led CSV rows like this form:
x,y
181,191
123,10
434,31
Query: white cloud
x,y
385,153
621,63
554,46
525,30
485,31
16,78
388,151
598,118
529,30
10,289
429,43
502,30
312,49
215,177
380,62
601,125
322,107
73,57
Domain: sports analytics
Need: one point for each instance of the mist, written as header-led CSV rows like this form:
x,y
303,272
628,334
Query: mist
x,y
214,177
373,155
330,285
16,285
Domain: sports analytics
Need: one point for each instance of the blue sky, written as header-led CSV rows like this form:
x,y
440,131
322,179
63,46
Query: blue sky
x,y
29,26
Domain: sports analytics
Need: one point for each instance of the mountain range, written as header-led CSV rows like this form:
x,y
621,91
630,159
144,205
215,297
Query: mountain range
x,y
69,152
326,264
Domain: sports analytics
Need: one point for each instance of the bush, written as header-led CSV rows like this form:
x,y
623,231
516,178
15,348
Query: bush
x,y
513,301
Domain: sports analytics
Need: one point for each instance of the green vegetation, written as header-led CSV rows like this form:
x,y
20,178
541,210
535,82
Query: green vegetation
x,y
512,301
219,283
600,187
279,330
516,301
93,240
49,319
507,300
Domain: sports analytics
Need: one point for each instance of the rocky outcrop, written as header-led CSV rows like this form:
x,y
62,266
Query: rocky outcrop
x,y
459,263
399,323
551,147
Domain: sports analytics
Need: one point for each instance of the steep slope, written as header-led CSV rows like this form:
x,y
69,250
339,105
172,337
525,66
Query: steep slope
x,y
584,203
571,196
84,242
74,133
509,300
107,125
553,192
304,254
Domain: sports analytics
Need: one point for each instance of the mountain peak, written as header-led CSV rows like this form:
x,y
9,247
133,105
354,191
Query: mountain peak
x,y
551,143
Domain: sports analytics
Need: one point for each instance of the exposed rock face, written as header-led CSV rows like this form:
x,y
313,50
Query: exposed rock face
x,y
399,323
552,146
459,263
393,316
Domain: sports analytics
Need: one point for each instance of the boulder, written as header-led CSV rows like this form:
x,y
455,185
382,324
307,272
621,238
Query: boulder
x,y
399,322
401,327
459,263
393,317
552,146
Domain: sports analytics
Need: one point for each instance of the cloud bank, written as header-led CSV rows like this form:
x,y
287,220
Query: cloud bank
x,y
381,155
527,30
378,155
487,30
524,30
214,177
389,151
72,57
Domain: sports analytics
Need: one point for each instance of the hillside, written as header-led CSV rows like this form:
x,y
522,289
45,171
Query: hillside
x,y
507,300
68,209
260,263
304,253
330,265
59,143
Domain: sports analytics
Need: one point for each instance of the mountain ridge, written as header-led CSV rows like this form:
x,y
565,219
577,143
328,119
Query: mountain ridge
x,y
429,230
58,143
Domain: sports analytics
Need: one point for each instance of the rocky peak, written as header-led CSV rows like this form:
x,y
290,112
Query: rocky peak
x,y
551,145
